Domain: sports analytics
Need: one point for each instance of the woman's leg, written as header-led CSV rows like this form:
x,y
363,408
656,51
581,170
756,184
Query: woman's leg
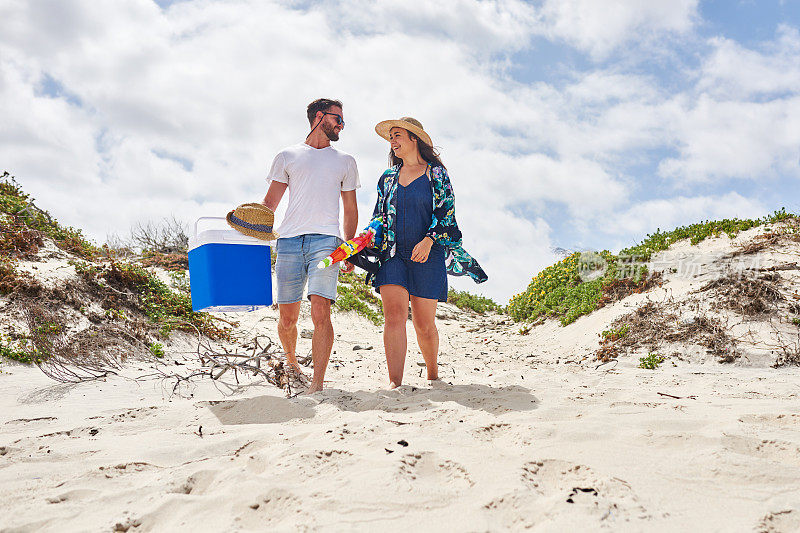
x,y
395,313
423,314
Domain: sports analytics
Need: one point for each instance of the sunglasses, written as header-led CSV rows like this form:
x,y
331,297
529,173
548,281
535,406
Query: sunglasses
x,y
339,119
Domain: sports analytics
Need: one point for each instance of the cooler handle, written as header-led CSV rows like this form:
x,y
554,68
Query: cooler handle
x,y
205,218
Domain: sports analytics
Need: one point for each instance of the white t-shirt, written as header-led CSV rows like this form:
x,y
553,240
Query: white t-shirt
x,y
315,178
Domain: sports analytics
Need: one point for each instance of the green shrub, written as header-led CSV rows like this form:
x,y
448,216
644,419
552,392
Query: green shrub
x,y
658,241
615,333
19,205
179,280
168,309
18,350
651,362
353,294
471,302
15,281
558,291
157,350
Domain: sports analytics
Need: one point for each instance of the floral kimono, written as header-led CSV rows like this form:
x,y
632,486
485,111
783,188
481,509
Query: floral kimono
x,y
443,228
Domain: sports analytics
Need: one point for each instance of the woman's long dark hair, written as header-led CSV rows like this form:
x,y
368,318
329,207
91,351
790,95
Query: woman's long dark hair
x,y
427,152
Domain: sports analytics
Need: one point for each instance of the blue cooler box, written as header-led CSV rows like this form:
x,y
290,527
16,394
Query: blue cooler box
x,y
228,271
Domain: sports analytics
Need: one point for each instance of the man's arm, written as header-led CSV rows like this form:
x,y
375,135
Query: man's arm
x,y
350,207
275,193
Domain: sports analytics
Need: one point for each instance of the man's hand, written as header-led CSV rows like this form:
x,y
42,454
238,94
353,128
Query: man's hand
x,y
422,250
347,266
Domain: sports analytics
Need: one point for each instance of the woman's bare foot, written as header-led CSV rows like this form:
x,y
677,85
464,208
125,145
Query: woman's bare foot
x,y
437,383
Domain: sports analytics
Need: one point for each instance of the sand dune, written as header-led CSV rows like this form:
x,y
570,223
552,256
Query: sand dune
x,y
526,432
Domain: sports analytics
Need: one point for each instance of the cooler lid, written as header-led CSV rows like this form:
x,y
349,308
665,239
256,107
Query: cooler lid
x,y
221,236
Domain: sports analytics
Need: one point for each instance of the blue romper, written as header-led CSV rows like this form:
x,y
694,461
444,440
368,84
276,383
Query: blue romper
x,y
414,216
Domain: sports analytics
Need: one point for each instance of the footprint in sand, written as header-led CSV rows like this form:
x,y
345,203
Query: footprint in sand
x,y
132,414
770,449
772,420
507,435
123,527
569,496
197,483
126,468
324,462
491,432
307,465
426,471
779,522
276,507
72,495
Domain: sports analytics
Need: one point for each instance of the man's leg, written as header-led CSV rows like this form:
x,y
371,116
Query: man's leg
x,y
322,341
322,293
287,331
291,277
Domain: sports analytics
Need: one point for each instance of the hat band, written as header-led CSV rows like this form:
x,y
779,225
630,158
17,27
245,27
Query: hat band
x,y
248,225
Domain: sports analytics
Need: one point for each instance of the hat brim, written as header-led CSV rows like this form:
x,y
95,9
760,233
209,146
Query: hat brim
x,y
383,128
264,236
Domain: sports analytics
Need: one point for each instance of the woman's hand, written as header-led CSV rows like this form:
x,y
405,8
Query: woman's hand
x,y
422,250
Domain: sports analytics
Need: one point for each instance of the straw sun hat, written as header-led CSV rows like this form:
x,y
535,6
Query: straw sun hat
x,y
411,124
255,220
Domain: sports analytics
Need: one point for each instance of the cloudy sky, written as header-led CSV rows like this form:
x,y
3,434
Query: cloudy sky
x,y
582,124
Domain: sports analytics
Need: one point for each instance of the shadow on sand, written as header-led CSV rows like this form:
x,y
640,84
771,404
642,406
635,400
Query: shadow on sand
x,y
261,410
494,400
406,399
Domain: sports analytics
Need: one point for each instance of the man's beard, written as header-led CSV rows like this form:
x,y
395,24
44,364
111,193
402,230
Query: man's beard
x,y
330,132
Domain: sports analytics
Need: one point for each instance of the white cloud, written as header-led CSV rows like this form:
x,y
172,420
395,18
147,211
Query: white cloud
x,y
600,28
484,27
733,139
742,118
667,213
734,72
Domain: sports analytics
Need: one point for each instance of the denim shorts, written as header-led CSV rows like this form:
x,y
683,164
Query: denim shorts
x,y
297,262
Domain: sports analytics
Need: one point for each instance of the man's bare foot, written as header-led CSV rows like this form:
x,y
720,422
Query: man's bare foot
x,y
392,385
314,387
296,373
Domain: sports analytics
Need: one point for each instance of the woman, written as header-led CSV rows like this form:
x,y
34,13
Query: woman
x,y
420,243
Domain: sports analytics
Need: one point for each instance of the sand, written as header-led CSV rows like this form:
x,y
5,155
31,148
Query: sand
x,y
524,432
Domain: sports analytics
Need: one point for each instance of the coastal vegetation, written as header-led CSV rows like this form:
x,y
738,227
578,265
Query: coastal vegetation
x,y
582,283
471,302
353,294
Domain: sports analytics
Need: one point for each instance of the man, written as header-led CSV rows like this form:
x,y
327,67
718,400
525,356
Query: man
x,y
316,175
